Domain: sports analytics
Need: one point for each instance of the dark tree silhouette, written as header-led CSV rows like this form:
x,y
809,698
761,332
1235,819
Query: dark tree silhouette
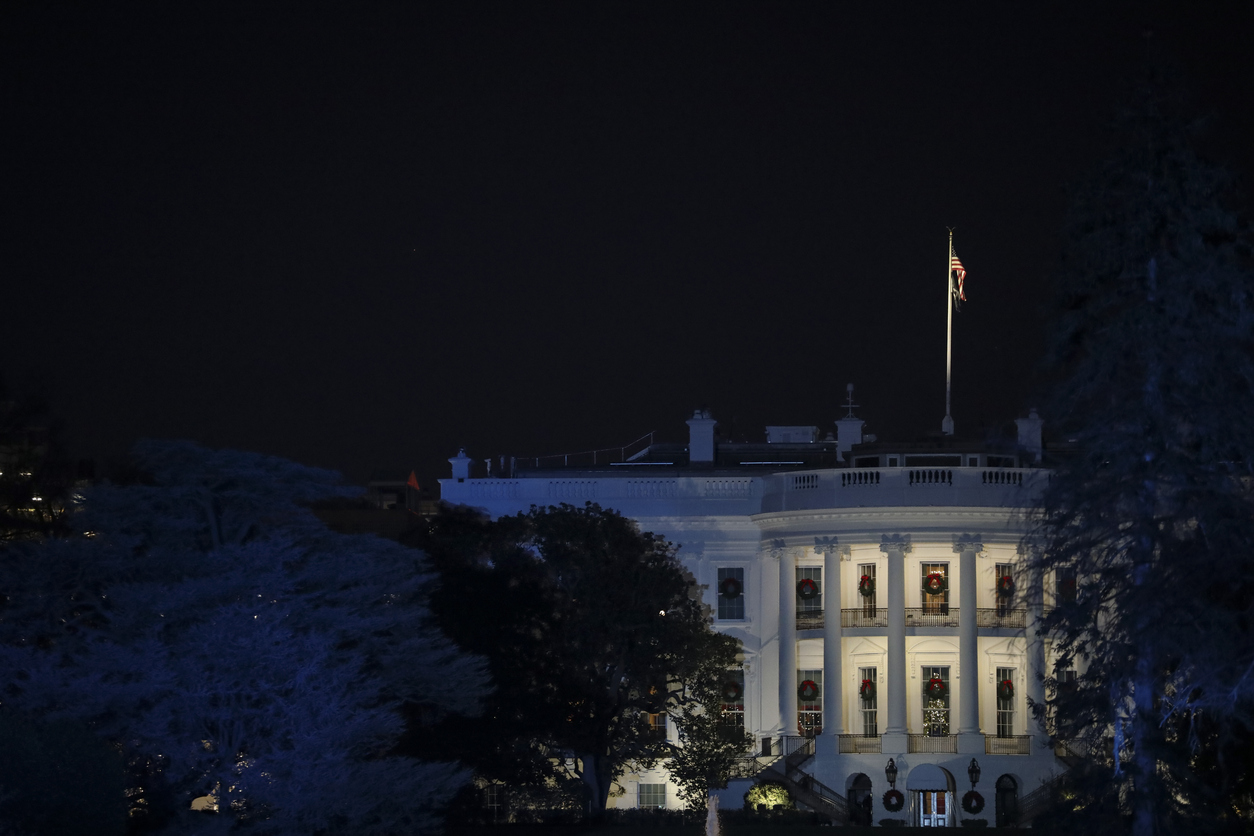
x,y
589,626
1147,527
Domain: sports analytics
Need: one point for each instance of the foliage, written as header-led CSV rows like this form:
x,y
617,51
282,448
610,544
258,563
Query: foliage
x,y
1153,514
769,795
589,626
230,645
711,743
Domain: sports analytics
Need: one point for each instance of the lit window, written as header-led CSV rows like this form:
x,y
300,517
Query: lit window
x,y
652,796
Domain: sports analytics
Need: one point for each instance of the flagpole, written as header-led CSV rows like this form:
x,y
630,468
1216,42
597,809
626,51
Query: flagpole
x,y
947,425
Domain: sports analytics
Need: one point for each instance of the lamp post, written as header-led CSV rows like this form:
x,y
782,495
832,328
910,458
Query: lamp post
x,y
973,772
890,772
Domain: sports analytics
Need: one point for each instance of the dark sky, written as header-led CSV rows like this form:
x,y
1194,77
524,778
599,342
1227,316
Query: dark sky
x,y
362,237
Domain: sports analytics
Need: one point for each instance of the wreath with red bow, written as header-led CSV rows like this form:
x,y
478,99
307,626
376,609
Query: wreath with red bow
x,y
1005,586
866,586
936,687
972,802
1005,690
934,583
732,691
867,691
808,690
729,588
807,588
894,801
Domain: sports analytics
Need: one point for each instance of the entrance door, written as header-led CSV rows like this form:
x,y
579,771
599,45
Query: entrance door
x,y
932,809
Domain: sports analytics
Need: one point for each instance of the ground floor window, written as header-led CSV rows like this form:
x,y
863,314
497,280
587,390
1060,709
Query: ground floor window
x,y
936,700
733,699
810,702
869,700
859,800
1005,702
652,796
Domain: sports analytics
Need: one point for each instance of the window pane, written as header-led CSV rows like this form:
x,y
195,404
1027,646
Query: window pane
x,y
731,593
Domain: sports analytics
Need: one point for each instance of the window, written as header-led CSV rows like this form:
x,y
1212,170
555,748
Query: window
x,y
494,800
657,726
935,603
869,700
734,699
651,796
810,702
814,589
936,700
1064,582
1003,594
731,594
867,570
1005,702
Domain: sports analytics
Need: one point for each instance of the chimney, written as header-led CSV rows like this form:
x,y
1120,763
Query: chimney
x,y
701,437
1030,435
461,465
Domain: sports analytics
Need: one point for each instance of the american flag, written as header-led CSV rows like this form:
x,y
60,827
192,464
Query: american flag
x,y
955,266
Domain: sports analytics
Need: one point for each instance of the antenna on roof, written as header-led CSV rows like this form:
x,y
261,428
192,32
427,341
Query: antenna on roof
x,y
849,404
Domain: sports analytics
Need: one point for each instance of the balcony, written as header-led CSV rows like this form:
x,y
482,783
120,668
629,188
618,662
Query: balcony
x,y
932,744
864,617
1016,619
932,617
1018,744
860,744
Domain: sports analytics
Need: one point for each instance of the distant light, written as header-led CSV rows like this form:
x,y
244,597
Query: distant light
x,y
662,613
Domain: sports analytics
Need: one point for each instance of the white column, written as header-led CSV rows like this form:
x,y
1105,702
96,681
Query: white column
x,y
969,738
787,641
833,677
896,547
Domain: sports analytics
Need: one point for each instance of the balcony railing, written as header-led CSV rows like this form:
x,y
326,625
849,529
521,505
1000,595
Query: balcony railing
x,y
1017,619
1019,744
934,744
932,617
861,617
812,620
860,744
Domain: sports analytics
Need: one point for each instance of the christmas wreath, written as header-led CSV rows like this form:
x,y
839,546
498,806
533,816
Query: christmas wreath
x,y
936,687
894,801
1005,586
807,588
934,583
1005,690
729,588
731,691
972,802
808,690
867,691
866,586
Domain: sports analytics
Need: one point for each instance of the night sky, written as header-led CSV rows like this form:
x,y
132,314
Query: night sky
x,y
361,236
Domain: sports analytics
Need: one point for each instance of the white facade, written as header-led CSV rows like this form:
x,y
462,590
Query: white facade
x,y
798,526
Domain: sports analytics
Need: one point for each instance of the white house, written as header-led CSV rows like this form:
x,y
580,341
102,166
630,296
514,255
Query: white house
x,y
871,585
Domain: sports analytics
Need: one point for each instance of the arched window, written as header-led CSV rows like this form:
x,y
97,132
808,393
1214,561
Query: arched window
x,y
859,796
1007,801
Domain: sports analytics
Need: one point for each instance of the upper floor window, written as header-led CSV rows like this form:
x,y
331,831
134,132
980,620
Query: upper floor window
x,y
1003,587
731,593
935,588
809,589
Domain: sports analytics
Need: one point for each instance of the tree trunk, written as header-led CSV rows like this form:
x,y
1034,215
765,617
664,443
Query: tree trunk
x,y
596,775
